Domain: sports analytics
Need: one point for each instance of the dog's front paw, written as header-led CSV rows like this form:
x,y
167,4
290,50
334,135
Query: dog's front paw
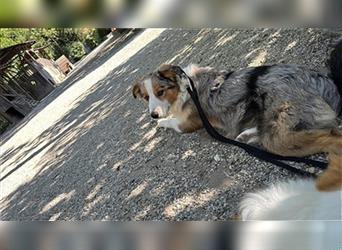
x,y
172,123
163,123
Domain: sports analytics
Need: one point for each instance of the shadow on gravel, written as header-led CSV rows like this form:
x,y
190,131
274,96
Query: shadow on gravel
x,y
108,162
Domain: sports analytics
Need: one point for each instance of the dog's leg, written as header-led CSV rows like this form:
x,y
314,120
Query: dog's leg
x,y
248,136
188,123
172,123
192,124
303,143
278,139
331,179
281,135
188,126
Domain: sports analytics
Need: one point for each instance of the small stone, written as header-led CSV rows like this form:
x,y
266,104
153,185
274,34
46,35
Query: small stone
x,y
311,170
217,158
171,157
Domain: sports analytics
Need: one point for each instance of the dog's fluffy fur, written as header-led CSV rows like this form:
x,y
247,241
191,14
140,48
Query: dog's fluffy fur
x,y
299,199
279,107
292,200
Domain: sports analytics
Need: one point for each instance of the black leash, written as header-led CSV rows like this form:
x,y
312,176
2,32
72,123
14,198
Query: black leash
x,y
254,151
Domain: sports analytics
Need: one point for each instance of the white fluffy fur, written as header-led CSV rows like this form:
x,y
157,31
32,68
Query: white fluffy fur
x,y
292,200
193,69
169,123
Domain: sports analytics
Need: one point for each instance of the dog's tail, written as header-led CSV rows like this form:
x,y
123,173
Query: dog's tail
x,y
335,65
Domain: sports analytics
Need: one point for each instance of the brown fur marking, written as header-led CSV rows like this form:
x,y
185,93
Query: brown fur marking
x,y
136,90
306,142
190,125
331,179
170,94
140,91
278,137
166,71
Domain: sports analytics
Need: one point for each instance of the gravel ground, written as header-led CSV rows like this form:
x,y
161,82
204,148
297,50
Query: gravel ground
x,y
90,151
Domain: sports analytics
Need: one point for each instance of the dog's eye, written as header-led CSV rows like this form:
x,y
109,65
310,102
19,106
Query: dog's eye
x,y
160,92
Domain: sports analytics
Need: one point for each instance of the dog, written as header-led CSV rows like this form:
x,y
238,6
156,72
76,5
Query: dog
x,y
292,200
291,215
299,199
281,108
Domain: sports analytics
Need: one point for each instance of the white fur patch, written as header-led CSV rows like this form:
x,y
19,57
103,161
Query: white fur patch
x,y
154,103
193,69
169,123
292,200
249,136
328,116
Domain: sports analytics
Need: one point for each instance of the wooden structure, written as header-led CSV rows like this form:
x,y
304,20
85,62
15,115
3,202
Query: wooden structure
x,y
64,64
26,76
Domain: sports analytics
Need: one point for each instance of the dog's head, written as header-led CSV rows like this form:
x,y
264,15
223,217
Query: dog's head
x,y
160,89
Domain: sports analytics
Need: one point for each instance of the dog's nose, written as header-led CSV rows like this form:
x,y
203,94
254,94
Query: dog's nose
x,y
155,115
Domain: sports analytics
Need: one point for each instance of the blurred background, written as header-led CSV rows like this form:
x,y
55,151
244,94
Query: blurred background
x,y
74,43
34,61
262,235
170,13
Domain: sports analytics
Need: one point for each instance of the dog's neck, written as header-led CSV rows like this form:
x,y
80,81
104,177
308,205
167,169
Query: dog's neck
x,y
191,71
182,98
183,95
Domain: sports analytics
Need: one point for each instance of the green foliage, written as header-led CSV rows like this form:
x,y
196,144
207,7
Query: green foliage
x,y
76,51
92,39
60,41
9,37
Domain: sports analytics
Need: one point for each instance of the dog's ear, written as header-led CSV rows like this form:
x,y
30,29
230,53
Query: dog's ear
x,y
169,72
136,90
